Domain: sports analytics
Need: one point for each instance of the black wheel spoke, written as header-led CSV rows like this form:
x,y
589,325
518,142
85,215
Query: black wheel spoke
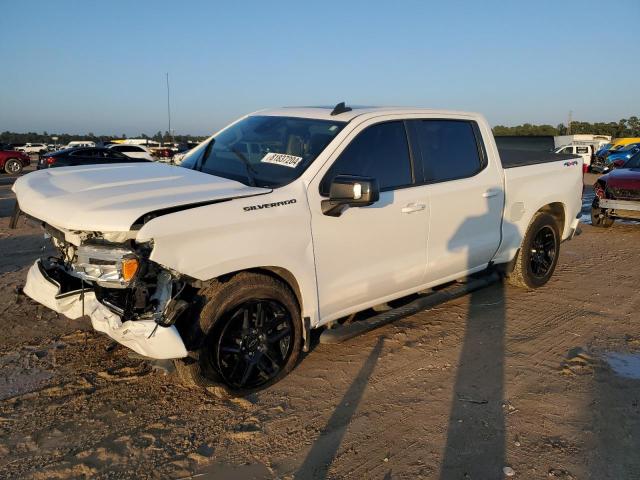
x,y
279,335
245,319
229,349
236,367
259,315
247,373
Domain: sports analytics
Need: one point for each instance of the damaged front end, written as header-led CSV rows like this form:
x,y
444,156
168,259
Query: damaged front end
x,y
110,278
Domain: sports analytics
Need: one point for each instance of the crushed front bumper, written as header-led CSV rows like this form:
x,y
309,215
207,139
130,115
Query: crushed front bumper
x,y
145,337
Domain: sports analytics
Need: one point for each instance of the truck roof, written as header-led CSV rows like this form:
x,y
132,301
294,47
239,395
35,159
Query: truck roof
x,y
324,112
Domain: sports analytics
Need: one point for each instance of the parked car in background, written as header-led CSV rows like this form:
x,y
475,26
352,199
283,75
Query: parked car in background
x,y
162,153
583,151
30,148
13,161
79,143
617,193
619,143
145,142
603,149
131,151
84,156
605,163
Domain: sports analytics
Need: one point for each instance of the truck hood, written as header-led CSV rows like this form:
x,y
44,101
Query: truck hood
x,y
623,179
111,198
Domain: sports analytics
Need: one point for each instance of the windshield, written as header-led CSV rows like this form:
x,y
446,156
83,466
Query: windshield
x,y
634,162
631,146
265,151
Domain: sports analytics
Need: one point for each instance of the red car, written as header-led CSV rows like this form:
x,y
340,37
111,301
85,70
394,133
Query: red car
x,y
617,194
12,162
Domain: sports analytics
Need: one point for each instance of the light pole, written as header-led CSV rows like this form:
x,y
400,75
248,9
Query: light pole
x,y
169,108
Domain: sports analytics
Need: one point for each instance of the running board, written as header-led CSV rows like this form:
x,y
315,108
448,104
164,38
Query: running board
x,y
345,332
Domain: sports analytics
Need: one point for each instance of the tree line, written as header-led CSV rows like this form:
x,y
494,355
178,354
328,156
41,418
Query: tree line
x,y
626,127
14,138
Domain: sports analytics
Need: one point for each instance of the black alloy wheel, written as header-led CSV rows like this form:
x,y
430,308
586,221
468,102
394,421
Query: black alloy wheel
x,y
543,252
254,343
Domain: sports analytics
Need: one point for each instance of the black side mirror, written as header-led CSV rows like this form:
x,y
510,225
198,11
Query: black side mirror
x,y
350,191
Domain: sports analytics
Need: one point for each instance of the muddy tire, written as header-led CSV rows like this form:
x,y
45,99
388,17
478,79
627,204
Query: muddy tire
x,y
252,335
13,166
538,255
598,219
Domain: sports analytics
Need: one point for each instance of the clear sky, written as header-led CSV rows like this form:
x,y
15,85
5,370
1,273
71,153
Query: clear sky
x,y
99,66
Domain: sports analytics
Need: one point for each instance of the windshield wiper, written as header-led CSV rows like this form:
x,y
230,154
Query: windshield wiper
x,y
251,172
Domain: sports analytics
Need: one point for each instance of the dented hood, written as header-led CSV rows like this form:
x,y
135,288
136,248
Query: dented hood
x,y
111,198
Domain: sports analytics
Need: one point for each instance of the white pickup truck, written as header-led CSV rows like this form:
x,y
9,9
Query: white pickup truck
x,y
286,220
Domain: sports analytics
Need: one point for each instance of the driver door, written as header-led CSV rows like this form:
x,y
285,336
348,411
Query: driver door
x,y
369,255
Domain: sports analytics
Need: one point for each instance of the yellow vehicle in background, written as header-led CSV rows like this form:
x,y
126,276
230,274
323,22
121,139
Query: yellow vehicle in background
x,y
618,143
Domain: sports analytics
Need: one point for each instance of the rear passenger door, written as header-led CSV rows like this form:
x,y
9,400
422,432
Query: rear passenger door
x,y
465,195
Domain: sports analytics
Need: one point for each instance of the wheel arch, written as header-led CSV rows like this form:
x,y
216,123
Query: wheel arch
x,y
558,211
279,273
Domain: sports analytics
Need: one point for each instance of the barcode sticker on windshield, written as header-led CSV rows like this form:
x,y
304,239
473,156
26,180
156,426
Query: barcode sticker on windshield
x,y
283,159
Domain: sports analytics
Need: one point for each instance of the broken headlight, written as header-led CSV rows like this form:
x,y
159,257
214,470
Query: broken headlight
x,y
106,265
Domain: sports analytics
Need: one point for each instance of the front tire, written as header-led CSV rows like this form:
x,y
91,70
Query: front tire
x,y
13,166
538,255
252,335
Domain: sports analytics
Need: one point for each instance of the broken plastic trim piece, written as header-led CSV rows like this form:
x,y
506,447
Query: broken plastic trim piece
x,y
136,334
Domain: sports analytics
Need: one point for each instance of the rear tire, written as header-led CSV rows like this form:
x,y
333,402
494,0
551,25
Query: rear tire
x,y
252,335
13,166
538,256
598,219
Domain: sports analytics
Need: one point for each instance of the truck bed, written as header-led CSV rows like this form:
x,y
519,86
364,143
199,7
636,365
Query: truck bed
x,y
512,158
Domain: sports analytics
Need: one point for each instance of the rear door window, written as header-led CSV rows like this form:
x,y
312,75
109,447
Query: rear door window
x,y
81,153
449,149
380,151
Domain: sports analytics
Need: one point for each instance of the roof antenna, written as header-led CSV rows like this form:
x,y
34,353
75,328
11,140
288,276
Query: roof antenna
x,y
340,108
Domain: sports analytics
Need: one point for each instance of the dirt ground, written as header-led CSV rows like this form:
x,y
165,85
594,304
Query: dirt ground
x,y
501,378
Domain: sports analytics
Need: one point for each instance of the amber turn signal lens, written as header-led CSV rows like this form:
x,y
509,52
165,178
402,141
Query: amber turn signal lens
x,y
129,268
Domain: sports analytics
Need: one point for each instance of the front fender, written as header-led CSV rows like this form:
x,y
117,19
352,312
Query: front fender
x,y
267,231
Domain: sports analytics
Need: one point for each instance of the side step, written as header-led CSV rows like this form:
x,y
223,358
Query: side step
x,y
345,332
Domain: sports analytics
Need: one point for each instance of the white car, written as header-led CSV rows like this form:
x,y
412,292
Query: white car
x,y
133,151
583,151
287,220
38,148
80,144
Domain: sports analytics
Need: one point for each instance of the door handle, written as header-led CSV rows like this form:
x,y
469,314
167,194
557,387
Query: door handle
x,y
413,207
490,193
